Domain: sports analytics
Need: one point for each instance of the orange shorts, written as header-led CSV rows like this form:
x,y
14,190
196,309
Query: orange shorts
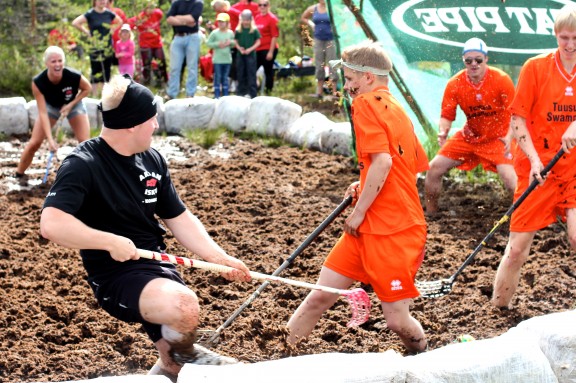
x,y
543,205
488,154
388,263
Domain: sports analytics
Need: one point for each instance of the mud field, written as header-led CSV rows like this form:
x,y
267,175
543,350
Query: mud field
x,y
259,203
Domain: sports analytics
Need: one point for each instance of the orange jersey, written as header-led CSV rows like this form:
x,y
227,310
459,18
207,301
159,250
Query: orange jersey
x,y
485,105
382,126
546,98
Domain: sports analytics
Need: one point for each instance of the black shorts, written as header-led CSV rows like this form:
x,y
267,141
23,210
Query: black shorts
x,y
119,294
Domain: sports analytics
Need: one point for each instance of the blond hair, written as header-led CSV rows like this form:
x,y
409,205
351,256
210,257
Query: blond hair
x,y
113,92
51,50
368,54
566,19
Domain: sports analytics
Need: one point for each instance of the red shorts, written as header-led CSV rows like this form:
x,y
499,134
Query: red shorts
x,y
488,154
388,263
543,205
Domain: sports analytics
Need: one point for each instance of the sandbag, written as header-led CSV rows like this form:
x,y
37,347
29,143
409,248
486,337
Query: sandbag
x,y
509,358
329,367
556,334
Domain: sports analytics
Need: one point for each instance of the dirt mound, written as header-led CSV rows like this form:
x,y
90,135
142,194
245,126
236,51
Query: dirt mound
x,y
259,204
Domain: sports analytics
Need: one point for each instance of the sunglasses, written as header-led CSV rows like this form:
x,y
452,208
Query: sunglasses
x,y
263,5
468,61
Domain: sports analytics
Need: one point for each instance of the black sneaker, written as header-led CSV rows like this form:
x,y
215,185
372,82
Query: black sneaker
x,y
201,355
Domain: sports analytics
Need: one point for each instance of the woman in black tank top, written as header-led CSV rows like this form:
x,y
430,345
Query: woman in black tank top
x,y
58,92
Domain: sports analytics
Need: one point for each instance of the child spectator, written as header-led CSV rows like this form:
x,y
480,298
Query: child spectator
x,y
124,49
246,39
221,40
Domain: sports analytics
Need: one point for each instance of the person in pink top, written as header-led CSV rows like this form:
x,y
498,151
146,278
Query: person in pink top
x,y
247,4
267,24
147,23
124,49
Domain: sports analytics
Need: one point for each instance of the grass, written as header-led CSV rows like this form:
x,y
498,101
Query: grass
x,y
206,138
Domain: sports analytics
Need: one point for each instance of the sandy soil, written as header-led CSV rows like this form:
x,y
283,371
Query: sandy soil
x,y
259,204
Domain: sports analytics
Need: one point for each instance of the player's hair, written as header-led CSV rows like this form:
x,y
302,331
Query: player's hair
x,y
566,19
53,49
113,92
367,53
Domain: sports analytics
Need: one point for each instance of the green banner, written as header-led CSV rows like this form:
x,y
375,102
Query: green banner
x,y
428,30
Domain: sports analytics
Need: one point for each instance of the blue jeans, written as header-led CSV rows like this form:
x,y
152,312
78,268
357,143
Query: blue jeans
x,y
184,47
221,72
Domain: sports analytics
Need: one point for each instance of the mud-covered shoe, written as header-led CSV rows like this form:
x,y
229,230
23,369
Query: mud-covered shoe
x,y
201,355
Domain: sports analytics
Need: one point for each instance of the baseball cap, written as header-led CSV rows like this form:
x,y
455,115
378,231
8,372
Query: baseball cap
x,y
125,27
223,17
475,44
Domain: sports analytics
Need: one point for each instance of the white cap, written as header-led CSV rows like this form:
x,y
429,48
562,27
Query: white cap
x,y
475,44
125,27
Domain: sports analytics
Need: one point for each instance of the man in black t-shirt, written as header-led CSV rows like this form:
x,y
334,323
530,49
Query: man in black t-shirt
x,y
105,200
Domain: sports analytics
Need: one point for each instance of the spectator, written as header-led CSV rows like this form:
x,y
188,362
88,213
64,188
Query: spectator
x,y
247,4
61,37
223,6
116,29
317,18
247,40
220,40
124,49
184,17
267,24
99,20
58,92
147,23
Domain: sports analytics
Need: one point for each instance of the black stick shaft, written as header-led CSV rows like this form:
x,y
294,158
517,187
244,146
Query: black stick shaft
x,y
508,213
343,205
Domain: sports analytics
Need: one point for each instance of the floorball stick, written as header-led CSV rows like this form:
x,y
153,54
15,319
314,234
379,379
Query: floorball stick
x,y
441,287
357,298
210,337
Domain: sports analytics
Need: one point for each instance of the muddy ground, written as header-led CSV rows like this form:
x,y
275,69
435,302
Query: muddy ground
x,y
259,203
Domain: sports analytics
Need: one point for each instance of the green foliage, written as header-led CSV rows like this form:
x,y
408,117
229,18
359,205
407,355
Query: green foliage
x,y
270,142
206,138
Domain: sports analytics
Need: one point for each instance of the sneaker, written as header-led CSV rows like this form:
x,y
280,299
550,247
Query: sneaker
x,y
201,355
22,179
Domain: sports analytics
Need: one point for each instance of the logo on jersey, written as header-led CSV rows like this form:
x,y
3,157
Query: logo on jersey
x,y
151,186
569,91
396,285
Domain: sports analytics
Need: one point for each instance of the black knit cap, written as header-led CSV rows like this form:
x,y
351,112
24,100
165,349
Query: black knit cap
x,y
137,106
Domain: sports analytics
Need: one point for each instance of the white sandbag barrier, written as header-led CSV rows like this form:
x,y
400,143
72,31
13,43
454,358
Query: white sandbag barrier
x,y
540,349
267,116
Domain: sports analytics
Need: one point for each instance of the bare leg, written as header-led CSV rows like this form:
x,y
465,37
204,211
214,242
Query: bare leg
x,y
316,303
571,220
508,274
81,127
508,177
32,147
176,308
320,88
399,320
439,166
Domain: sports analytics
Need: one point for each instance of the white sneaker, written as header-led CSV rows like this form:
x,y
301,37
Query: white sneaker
x,y
201,355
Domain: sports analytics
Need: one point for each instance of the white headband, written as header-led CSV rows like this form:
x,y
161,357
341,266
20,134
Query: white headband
x,y
336,64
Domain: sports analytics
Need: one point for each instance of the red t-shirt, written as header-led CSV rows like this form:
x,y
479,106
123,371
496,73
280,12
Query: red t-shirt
x,y
234,18
148,27
485,105
382,126
253,7
116,30
268,27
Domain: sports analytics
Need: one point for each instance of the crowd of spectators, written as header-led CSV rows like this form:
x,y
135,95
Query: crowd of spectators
x,y
178,70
